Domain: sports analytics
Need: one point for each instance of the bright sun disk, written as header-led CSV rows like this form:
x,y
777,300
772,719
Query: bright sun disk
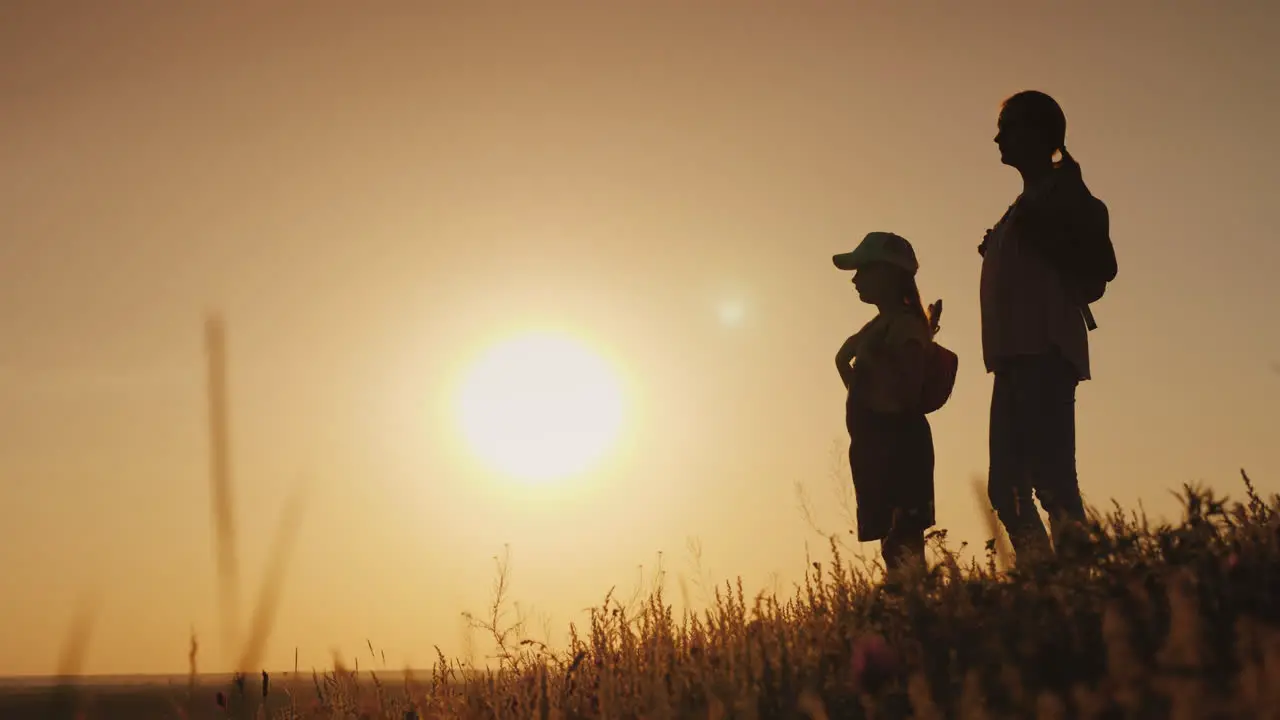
x,y
540,406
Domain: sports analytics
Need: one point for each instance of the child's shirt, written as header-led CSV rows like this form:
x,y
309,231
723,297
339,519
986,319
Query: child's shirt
x,y
874,370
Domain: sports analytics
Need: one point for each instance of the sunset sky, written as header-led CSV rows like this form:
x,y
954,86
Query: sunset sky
x,y
374,193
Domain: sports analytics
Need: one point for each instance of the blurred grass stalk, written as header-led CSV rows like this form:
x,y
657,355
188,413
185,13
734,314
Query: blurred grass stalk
x,y
67,701
251,649
224,527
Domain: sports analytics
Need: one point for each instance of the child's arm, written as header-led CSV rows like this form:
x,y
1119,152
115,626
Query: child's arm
x,y
844,359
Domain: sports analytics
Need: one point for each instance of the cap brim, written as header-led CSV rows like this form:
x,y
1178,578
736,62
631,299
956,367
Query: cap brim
x,y
848,261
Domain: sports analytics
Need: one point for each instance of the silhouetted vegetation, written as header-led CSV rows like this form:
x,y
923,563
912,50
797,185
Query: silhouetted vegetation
x,y
1170,620
1142,621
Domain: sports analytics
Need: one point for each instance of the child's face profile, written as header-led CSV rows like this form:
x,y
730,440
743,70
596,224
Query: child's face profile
x,y
875,283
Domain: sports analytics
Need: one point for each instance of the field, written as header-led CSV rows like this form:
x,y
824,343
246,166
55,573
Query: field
x,y
1130,620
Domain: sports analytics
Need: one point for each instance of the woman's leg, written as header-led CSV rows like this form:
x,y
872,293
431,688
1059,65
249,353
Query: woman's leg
x,y
1009,486
1050,423
902,546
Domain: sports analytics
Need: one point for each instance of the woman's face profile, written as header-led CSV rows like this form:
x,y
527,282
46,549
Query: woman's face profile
x,y
1019,142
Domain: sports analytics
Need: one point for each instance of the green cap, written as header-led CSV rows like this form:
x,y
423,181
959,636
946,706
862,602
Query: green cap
x,y
885,247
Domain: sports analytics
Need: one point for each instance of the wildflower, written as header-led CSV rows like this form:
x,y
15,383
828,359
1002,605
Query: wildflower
x,y
874,662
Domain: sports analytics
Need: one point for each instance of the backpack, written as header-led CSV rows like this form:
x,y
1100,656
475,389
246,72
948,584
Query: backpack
x,y
1074,234
940,368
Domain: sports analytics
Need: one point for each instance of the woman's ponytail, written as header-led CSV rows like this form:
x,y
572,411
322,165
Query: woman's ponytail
x,y
1067,160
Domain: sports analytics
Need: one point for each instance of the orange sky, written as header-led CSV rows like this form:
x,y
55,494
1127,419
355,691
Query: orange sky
x,y
373,195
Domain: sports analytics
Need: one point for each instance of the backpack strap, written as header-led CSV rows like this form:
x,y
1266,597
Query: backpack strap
x,y
1089,322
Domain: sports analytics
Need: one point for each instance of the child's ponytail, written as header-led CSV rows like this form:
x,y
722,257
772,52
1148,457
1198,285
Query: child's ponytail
x,y
911,298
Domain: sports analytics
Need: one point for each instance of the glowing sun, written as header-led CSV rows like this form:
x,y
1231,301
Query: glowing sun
x,y
540,406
